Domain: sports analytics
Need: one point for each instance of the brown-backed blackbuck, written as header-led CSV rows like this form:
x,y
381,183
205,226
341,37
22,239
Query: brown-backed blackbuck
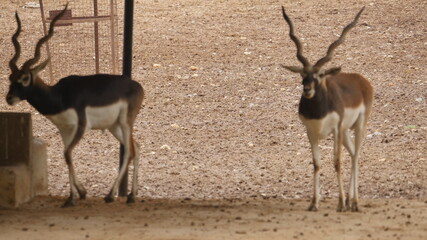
x,y
333,102
77,104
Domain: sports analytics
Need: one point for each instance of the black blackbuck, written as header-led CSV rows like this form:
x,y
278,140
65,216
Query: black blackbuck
x,y
76,104
333,102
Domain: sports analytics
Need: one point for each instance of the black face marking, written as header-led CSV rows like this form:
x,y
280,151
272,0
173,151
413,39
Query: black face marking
x,y
310,84
19,88
311,106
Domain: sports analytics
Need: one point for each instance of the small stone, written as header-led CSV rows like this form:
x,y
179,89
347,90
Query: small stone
x,y
165,147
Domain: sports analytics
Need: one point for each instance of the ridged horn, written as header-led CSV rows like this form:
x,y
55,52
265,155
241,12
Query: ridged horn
x,y
297,42
36,58
340,40
12,62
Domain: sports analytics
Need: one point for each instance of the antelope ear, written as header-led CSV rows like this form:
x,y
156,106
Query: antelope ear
x,y
333,71
294,69
40,67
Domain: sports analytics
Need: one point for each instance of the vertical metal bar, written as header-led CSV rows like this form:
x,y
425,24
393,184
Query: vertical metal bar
x,y
113,17
128,31
96,31
127,71
47,44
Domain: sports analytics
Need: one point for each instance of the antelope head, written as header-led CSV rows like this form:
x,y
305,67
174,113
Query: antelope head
x,y
22,79
314,75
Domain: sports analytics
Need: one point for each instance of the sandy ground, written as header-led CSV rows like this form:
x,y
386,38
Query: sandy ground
x,y
214,219
219,126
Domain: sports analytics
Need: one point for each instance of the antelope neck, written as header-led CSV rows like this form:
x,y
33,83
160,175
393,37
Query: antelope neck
x,y
44,99
316,107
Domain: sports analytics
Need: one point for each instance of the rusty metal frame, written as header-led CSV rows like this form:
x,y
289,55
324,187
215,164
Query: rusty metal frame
x,y
112,17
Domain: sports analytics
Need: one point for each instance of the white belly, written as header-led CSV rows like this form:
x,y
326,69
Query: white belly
x,y
96,117
105,117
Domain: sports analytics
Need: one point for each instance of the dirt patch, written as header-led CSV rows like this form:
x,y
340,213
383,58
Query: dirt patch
x,y
220,121
214,219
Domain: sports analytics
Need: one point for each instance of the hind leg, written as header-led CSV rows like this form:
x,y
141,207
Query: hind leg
x,y
135,159
122,133
338,142
349,145
359,134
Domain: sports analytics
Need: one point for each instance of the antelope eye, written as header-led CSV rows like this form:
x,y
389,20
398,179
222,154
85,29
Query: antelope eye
x,y
23,78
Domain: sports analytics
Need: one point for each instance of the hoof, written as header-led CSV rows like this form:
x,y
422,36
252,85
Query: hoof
x,y
82,195
355,208
130,199
68,203
341,205
312,208
341,208
108,199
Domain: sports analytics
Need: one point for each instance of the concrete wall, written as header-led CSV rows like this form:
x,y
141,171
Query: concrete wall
x,y
23,160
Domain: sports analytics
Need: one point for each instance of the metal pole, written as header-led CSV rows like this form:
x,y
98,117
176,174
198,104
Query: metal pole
x,y
127,71
113,30
96,31
127,41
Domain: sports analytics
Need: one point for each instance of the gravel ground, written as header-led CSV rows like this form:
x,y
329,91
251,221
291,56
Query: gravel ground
x,y
220,117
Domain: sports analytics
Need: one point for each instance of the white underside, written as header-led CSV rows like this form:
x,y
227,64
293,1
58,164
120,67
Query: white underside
x,y
327,125
106,117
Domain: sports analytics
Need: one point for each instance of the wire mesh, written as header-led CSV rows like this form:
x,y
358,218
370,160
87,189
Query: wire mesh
x,y
86,39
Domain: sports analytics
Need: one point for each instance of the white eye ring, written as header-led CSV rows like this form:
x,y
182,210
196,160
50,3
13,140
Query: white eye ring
x,y
25,80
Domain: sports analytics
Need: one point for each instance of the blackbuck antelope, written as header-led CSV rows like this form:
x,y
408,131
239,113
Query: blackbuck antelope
x,y
333,102
77,104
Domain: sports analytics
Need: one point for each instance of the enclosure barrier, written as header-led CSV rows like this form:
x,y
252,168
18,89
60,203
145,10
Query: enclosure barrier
x,y
23,160
86,37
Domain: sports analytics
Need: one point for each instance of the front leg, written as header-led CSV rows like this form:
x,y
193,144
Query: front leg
x,y
314,142
70,200
71,135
